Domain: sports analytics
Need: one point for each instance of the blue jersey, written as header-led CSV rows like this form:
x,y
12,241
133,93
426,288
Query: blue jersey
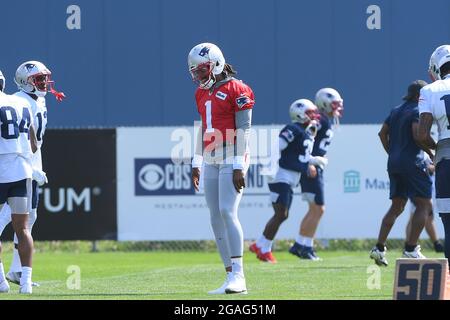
x,y
404,154
296,155
323,136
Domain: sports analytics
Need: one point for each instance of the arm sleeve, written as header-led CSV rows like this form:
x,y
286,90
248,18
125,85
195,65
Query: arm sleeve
x,y
243,121
424,101
282,143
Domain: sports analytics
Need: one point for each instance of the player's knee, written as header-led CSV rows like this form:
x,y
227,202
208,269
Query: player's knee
x,y
423,204
281,213
22,234
318,210
280,217
397,206
226,213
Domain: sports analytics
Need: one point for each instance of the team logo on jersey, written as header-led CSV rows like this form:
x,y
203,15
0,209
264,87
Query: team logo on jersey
x,y
204,51
242,100
288,134
221,95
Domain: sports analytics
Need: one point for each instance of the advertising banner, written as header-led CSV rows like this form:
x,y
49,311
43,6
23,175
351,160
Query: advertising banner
x,y
156,200
79,201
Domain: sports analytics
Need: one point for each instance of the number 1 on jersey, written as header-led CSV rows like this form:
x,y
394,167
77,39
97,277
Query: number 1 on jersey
x,y
209,127
446,100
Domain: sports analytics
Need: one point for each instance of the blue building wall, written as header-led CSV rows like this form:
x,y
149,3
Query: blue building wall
x,y
127,63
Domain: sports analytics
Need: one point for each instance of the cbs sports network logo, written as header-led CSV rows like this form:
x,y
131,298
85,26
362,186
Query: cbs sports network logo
x,y
162,176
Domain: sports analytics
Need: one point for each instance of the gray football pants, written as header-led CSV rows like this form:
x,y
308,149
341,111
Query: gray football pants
x,y
223,202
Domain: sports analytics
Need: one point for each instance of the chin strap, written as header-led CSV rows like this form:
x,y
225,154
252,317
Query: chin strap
x,y
336,121
60,96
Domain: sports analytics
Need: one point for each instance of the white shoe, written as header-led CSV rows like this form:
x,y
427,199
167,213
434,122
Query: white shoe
x,y
221,290
236,284
26,289
379,256
4,286
14,277
416,254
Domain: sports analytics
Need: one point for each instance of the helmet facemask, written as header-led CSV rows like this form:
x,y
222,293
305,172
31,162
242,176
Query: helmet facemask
x,y
312,115
337,110
41,83
313,127
202,74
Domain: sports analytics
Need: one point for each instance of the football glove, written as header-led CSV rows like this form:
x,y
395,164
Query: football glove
x,y
318,161
40,177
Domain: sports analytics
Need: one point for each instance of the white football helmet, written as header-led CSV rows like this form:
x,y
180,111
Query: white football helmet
x,y
205,60
329,101
439,57
33,77
2,81
303,111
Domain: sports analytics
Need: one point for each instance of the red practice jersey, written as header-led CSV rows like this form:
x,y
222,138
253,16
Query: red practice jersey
x,y
218,108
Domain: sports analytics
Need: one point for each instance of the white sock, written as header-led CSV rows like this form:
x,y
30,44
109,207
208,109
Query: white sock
x,y
26,275
264,244
308,242
16,265
261,241
300,240
2,273
236,265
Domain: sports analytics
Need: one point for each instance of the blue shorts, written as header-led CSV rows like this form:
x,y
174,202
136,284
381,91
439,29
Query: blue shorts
x,y
281,193
34,195
412,184
443,186
17,189
313,188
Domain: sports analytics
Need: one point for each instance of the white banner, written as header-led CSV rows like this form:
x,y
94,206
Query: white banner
x,y
156,200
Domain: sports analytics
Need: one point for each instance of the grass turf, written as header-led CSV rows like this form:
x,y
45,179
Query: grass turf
x,y
189,275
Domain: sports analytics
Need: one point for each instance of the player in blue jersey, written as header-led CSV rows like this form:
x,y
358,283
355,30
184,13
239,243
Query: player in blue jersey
x,y
296,142
408,175
331,107
430,226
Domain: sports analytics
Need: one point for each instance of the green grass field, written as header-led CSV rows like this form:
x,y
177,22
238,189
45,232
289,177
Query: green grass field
x,y
189,275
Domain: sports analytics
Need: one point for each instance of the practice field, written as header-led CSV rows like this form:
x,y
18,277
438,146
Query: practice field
x,y
189,275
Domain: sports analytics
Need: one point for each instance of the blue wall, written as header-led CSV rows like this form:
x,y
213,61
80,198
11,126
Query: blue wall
x,y
127,64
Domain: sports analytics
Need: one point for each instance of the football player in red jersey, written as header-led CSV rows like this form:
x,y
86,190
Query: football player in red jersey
x,y
225,106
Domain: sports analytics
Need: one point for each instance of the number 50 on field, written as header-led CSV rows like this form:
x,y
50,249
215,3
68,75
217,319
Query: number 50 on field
x,y
422,279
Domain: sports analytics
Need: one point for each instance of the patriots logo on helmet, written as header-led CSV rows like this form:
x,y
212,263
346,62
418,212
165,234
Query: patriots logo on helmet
x,y
29,66
242,100
204,51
